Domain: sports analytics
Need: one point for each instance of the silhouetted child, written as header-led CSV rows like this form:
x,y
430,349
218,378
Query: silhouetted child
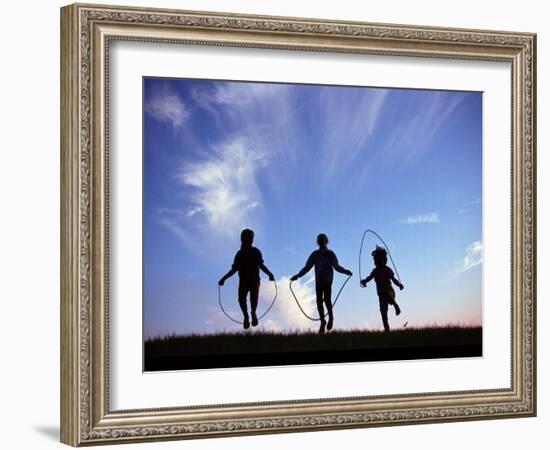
x,y
383,276
248,262
324,261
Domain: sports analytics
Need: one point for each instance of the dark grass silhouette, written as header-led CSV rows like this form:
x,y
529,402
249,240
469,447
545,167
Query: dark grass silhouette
x,y
246,349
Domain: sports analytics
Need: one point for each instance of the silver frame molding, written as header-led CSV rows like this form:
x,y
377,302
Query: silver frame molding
x,y
86,31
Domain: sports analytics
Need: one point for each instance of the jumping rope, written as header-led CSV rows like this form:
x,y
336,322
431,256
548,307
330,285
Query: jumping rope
x,y
337,295
240,322
389,254
385,246
334,303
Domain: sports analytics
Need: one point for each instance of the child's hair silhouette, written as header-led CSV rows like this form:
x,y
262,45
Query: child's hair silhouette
x,y
247,237
322,240
380,256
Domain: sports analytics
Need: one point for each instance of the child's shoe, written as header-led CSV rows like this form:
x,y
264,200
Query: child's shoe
x,y
246,323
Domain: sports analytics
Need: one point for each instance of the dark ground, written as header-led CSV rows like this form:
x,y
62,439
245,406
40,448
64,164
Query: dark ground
x,y
267,349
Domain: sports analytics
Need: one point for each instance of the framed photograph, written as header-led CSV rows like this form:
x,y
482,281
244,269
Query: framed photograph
x,y
276,224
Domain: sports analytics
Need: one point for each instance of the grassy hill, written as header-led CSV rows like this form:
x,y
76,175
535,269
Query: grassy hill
x,y
176,352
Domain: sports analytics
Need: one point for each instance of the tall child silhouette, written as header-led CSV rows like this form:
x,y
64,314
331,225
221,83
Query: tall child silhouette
x,y
248,262
324,261
383,276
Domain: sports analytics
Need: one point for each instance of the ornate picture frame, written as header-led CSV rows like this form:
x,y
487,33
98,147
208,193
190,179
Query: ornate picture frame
x,y
86,34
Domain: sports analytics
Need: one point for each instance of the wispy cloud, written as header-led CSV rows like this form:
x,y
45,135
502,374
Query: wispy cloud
x,y
411,138
175,221
468,205
348,120
245,105
166,106
239,94
223,187
474,256
267,115
432,218
219,184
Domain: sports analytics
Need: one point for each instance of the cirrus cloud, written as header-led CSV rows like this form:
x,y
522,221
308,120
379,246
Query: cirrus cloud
x,y
474,256
223,187
165,105
432,217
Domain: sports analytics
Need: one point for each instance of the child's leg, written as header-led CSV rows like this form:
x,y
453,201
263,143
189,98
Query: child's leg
x,y
391,301
384,312
243,291
320,309
397,308
254,294
319,295
327,298
385,319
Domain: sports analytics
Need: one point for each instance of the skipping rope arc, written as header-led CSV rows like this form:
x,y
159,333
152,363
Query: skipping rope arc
x,y
333,303
240,322
385,246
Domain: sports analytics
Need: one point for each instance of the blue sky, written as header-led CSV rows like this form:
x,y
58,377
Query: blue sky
x,y
291,161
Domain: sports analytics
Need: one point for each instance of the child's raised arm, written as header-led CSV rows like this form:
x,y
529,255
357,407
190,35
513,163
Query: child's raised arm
x,y
397,282
337,266
267,272
262,266
309,264
369,278
229,274
234,269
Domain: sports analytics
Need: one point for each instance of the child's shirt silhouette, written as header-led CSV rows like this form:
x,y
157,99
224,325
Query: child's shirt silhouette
x,y
247,263
324,261
382,276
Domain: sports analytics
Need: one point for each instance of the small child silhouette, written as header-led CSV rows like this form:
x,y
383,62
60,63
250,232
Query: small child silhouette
x,y
324,261
383,276
248,260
